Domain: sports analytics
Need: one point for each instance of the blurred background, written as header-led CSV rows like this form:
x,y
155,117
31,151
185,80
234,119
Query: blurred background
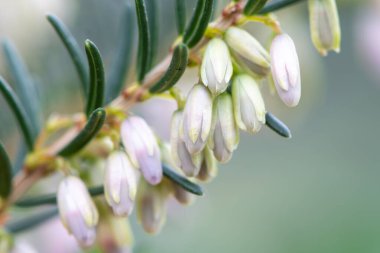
x,y
317,192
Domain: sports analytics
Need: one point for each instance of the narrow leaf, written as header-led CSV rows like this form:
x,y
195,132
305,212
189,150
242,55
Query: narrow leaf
x,y
203,23
51,199
73,49
30,222
277,5
254,6
182,181
19,112
277,125
153,26
93,126
194,21
23,84
119,68
145,43
176,69
95,98
5,173
19,160
180,12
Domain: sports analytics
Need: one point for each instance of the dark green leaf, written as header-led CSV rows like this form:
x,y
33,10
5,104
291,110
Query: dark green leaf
x,y
120,66
182,181
95,98
32,221
176,69
145,42
202,24
254,6
73,49
51,199
19,112
194,21
276,5
153,30
277,125
23,84
93,126
180,12
5,173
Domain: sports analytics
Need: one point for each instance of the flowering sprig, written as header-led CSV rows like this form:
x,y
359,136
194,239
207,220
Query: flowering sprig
x,y
141,169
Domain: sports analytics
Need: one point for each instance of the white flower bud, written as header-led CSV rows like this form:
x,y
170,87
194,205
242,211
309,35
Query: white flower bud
x,y
142,148
209,167
286,69
77,210
120,183
197,119
216,70
248,103
189,164
225,133
248,51
324,25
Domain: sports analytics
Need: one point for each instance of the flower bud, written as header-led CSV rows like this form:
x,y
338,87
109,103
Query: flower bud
x,y
248,51
77,210
286,70
115,235
324,25
216,70
151,208
142,148
120,183
209,167
249,108
197,119
189,164
225,133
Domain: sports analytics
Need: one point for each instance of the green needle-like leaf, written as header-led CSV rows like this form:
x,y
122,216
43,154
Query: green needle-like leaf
x,y
93,126
23,84
182,181
19,112
74,50
31,221
176,69
95,98
51,199
277,125
180,12
119,69
145,42
277,5
153,25
254,6
5,173
194,21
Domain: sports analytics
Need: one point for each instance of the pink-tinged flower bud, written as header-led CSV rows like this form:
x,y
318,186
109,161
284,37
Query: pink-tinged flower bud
x,y
249,107
77,210
248,51
209,168
216,70
324,25
120,183
142,148
189,164
151,207
224,132
286,69
197,119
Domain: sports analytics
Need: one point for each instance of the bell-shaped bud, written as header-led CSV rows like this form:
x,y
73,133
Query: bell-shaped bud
x,y
189,164
142,148
151,207
197,119
286,69
249,107
216,70
324,25
120,183
249,53
77,210
209,167
224,132
115,235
